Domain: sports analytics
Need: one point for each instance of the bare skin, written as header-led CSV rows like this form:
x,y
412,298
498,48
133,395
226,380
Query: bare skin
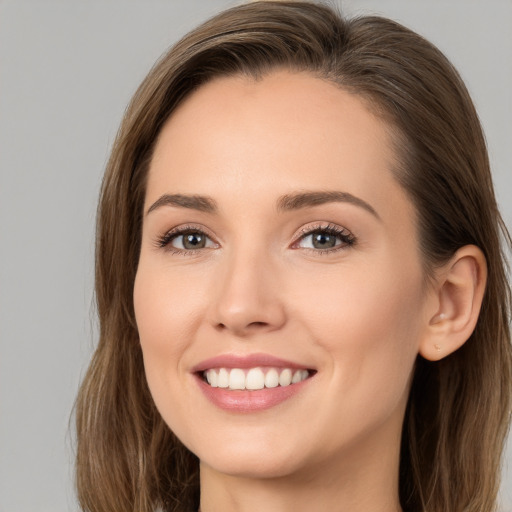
x,y
336,287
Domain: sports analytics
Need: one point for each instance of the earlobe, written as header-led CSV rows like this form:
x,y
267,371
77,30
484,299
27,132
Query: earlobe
x,y
459,293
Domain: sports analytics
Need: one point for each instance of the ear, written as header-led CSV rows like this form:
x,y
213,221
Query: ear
x,y
459,291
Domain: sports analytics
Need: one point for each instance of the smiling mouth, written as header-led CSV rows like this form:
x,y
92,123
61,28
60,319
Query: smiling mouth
x,y
252,379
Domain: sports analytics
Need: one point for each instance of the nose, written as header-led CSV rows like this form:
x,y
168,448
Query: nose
x,y
247,296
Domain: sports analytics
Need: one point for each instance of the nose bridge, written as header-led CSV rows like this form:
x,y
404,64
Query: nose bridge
x,y
247,297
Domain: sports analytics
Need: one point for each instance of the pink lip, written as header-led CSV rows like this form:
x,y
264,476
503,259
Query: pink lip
x,y
249,401
246,361
244,401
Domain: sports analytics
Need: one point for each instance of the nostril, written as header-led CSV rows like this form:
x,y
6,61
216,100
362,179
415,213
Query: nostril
x,y
253,325
257,324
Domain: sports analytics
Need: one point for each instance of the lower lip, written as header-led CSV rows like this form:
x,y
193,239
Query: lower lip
x,y
249,401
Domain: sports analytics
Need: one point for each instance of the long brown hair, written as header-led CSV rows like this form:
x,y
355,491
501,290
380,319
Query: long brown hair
x,y
458,412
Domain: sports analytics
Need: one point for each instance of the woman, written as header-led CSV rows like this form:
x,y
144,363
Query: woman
x,y
301,291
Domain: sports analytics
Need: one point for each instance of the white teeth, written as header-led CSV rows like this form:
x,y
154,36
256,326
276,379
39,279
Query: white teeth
x,y
213,378
272,379
223,380
297,377
236,379
254,378
285,379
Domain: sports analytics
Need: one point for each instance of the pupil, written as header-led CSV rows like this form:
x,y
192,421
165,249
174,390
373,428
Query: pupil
x,y
323,241
193,241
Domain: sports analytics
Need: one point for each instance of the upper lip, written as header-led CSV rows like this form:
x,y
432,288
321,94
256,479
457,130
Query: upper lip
x,y
246,361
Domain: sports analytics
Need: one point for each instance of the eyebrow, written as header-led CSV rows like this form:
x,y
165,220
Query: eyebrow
x,y
300,200
194,202
288,202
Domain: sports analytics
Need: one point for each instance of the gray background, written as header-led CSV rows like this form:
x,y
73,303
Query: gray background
x,y
67,71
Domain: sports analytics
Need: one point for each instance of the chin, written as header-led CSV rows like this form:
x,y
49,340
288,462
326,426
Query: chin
x,y
252,453
261,465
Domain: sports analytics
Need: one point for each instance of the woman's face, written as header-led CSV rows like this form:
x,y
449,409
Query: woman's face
x,y
277,245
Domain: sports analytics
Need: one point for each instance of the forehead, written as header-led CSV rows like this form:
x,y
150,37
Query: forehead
x,y
287,130
304,111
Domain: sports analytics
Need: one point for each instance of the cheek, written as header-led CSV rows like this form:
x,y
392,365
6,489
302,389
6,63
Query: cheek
x,y
165,318
166,306
369,323
167,311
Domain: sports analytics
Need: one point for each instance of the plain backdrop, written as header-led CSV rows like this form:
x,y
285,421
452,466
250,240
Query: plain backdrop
x,y
67,71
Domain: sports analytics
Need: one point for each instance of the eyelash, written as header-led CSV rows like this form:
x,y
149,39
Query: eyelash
x,y
346,237
164,241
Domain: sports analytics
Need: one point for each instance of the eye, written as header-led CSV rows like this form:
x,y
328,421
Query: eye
x,y
325,238
190,241
185,240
